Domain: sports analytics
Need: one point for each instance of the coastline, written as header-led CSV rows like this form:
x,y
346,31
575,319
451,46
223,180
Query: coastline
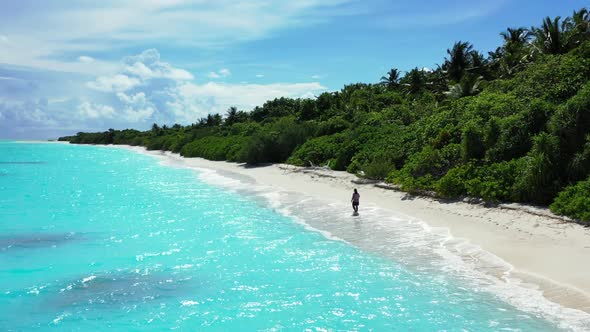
x,y
534,248
543,251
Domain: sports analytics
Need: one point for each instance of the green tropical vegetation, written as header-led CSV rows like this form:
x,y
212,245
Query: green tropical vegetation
x,y
509,126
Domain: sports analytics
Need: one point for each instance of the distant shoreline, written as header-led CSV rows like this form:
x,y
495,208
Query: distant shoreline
x,y
40,141
542,211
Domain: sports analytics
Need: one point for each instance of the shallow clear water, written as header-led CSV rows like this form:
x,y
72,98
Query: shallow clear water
x,y
97,238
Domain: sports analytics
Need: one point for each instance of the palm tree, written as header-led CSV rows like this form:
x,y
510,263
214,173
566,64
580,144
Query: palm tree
x,y
549,38
458,61
578,28
515,40
581,19
156,130
478,63
468,86
515,37
391,81
231,116
514,54
414,81
213,120
436,81
202,122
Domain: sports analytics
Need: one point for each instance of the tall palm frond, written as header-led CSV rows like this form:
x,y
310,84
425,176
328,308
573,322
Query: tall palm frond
x,y
549,38
577,28
414,81
468,86
516,36
391,81
514,54
458,60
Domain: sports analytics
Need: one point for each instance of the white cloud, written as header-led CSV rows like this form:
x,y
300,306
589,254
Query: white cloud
x,y
115,83
213,75
144,90
127,114
85,59
137,107
49,29
259,75
154,77
8,78
191,101
250,95
3,39
88,110
224,72
147,65
316,77
138,115
137,70
137,99
58,100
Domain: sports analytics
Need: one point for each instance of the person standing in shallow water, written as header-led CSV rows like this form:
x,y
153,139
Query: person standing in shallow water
x,y
355,200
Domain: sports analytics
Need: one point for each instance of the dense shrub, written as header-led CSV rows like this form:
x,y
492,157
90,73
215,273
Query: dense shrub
x,y
212,148
579,166
420,171
156,143
378,169
317,151
472,143
276,141
454,183
244,128
554,78
571,122
494,182
538,178
332,126
138,141
574,201
514,140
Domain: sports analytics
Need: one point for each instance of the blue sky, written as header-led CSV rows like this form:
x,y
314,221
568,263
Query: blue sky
x,y
69,66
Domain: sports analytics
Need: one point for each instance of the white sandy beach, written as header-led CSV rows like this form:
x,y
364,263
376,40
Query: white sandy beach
x,y
539,248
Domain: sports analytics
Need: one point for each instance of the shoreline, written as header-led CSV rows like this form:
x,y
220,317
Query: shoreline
x,y
543,251
536,249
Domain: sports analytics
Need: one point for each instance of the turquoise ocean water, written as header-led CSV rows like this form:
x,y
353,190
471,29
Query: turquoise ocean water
x,y
98,238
